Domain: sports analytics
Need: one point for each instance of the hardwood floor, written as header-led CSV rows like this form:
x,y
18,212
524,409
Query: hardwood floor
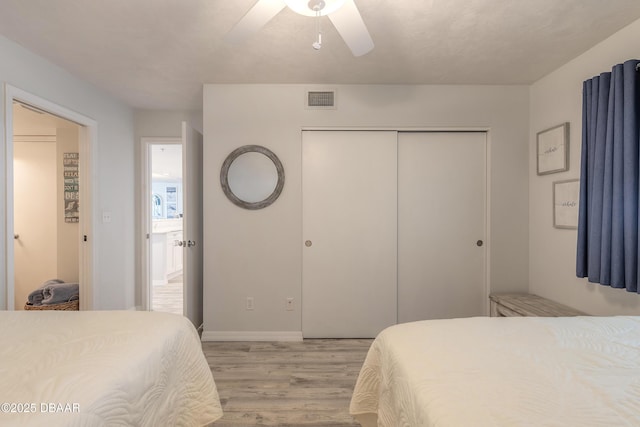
x,y
168,297
286,384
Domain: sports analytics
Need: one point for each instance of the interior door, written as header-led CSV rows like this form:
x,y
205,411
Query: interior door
x,y
192,223
441,225
349,227
36,235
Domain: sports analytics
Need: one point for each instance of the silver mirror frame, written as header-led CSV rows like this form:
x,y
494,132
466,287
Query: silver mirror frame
x,y
224,172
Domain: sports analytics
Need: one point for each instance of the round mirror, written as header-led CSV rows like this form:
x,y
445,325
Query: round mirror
x,y
252,177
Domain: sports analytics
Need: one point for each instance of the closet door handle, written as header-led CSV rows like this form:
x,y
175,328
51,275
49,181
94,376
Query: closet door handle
x,y
479,243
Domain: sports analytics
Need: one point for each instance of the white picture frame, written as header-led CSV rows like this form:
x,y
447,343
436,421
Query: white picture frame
x,y
566,199
552,150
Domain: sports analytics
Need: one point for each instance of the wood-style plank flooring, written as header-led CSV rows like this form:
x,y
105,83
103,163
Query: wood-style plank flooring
x,y
286,384
168,297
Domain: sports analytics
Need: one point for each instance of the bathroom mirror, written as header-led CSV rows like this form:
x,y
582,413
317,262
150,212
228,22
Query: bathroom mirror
x,y
252,177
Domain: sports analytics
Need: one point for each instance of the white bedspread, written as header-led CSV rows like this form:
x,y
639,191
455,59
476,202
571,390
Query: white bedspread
x,y
578,371
103,368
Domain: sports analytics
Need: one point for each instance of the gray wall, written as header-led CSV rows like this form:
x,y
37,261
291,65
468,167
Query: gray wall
x,y
556,99
258,253
114,192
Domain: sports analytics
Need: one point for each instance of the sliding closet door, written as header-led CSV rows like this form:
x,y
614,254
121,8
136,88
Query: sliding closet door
x,y
350,233
441,225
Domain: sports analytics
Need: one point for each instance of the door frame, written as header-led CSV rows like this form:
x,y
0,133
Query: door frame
x,y
145,197
487,131
88,137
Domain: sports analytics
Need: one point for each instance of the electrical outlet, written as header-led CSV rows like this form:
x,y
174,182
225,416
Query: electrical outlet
x,y
289,304
249,303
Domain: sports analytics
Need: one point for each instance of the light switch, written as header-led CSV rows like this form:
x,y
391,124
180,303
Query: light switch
x,y
106,216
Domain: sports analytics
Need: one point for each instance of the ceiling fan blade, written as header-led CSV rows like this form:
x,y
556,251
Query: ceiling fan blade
x,y
254,20
350,25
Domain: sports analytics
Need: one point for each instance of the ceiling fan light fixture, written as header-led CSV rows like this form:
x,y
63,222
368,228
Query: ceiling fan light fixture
x,y
343,14
312,7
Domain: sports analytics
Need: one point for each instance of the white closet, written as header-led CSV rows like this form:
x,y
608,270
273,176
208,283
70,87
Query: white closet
x,y
441,222
393,229
349,221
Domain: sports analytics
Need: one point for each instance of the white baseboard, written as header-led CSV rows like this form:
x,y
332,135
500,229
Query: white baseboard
x,y
252,336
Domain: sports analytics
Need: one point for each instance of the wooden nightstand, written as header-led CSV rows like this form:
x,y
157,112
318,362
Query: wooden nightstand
x,y
510,305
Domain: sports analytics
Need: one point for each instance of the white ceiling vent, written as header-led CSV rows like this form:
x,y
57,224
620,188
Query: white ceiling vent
x,y
321,100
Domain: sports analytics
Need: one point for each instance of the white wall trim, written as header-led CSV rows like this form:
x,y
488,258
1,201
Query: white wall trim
x,y
8,200
252,336
487,224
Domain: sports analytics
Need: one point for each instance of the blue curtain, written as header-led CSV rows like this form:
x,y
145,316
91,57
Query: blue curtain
x,y
608,245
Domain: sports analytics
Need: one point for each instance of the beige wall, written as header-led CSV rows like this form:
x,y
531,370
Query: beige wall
x,y
258,253
555,99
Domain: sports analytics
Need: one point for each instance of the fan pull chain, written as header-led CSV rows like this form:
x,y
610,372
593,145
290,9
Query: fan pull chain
x,y
318,43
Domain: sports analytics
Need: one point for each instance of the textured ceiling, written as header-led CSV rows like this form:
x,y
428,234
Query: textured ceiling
x,y
158,54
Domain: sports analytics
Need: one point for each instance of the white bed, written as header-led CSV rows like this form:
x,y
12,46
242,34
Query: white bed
x,y
101,368
515,371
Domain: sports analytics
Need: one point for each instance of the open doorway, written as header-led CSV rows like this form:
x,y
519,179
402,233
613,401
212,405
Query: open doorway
x,y
185,155
45,203
165,212
73,256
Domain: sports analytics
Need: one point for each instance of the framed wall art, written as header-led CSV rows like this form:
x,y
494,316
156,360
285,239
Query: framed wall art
x,y
70,164
552,149
566,197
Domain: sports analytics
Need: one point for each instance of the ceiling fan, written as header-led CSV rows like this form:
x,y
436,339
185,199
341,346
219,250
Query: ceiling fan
x,y
344,15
